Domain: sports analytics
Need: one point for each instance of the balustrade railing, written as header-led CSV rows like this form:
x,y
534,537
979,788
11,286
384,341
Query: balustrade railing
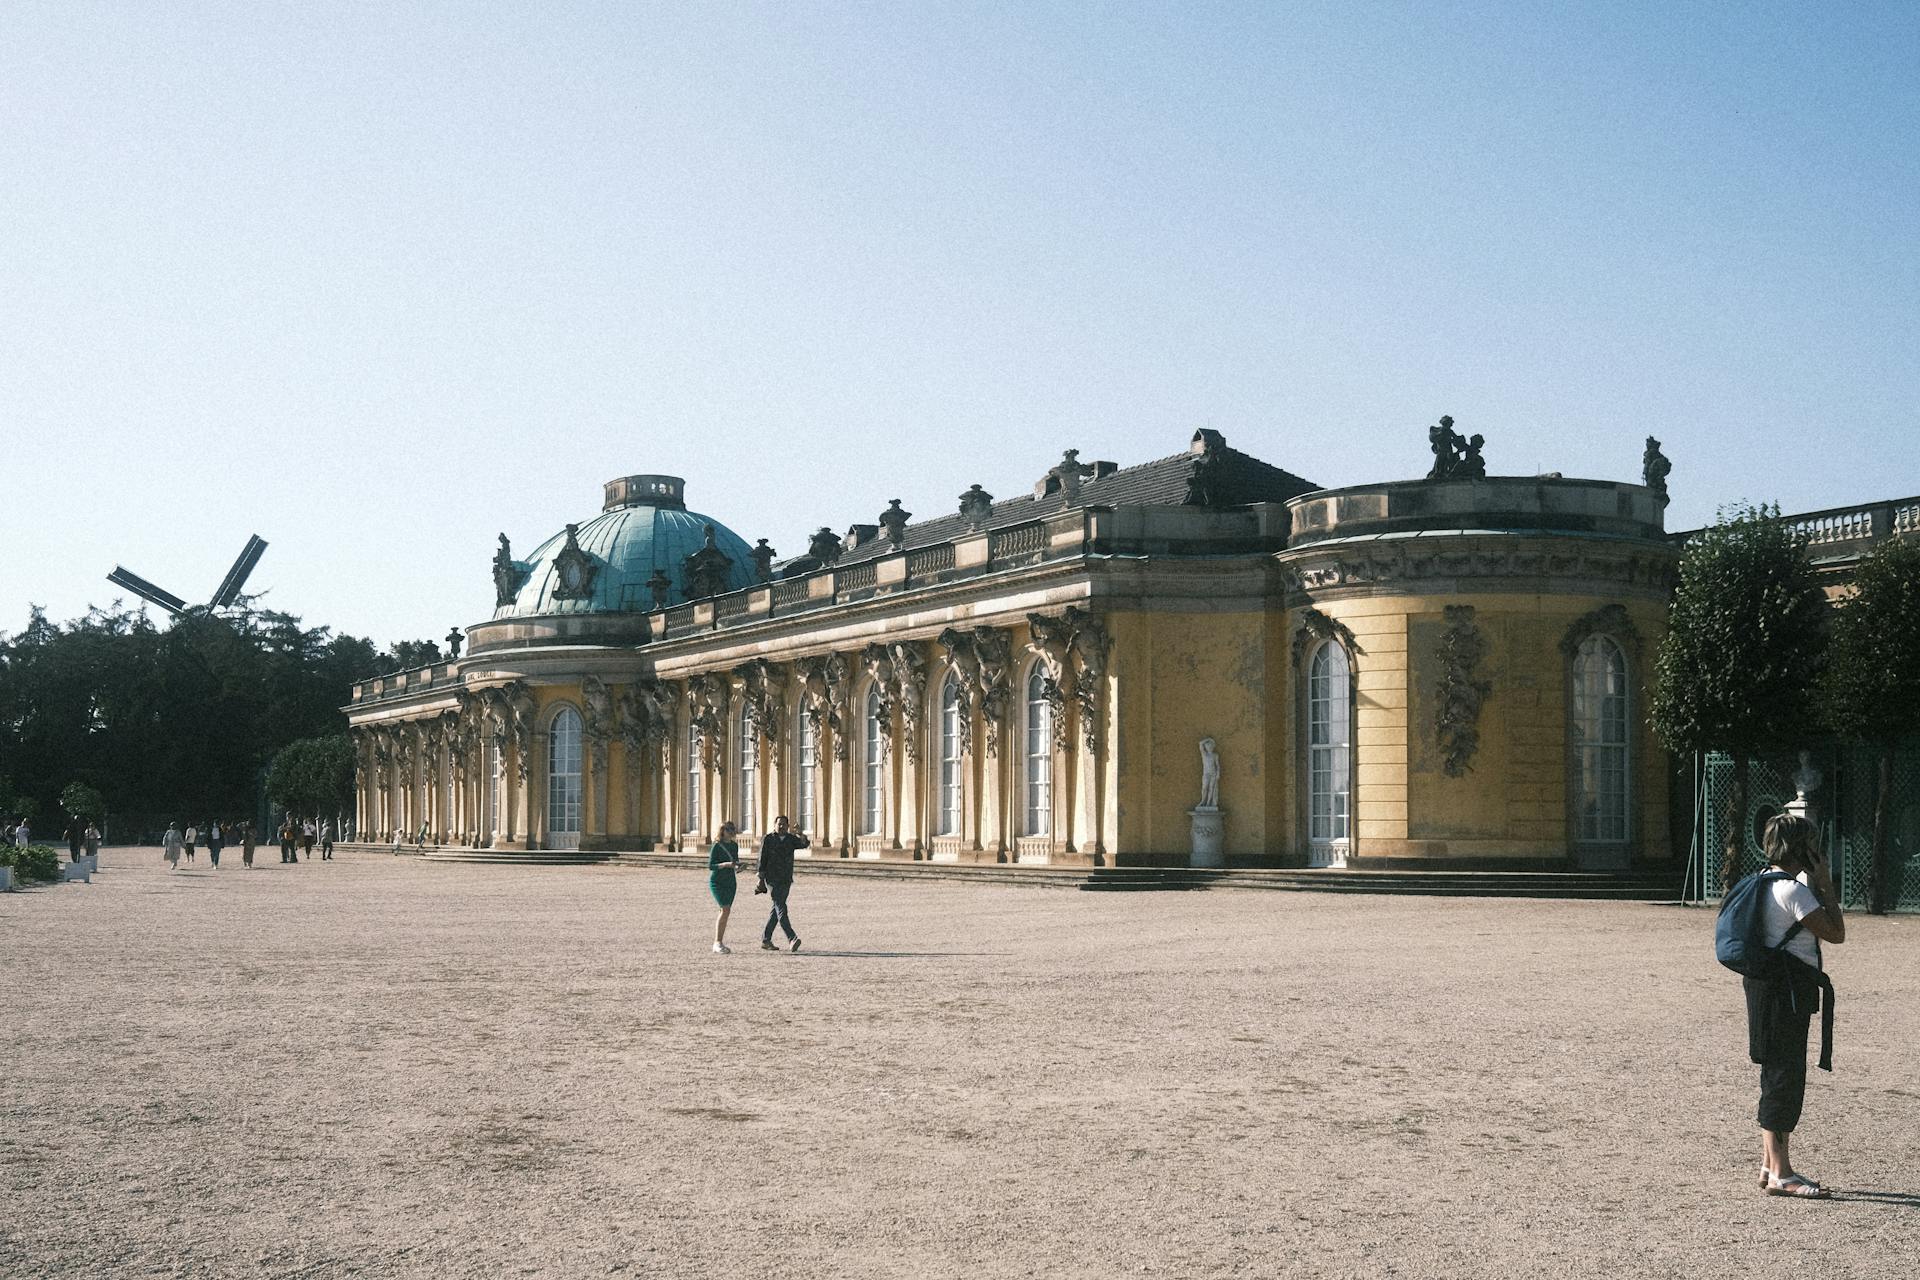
x,y
926,561
790,591
1842,526
731,605
858,577
1020,540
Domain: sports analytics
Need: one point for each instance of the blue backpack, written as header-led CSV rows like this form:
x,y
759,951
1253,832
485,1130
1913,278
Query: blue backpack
x,y
1738,938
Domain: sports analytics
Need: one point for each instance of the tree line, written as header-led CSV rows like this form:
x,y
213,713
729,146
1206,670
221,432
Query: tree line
x,y
152,725
1756,662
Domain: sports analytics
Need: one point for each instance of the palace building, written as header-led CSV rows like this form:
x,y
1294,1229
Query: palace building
x,y
1445,672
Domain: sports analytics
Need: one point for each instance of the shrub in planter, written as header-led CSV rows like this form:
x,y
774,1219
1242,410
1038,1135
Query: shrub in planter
x,y
35,862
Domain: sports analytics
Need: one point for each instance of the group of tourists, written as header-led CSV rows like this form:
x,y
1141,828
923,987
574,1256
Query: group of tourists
x,y
775,879
296,840
83,838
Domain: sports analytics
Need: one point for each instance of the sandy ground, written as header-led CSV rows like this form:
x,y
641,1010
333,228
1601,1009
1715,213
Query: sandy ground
x,y
379,1067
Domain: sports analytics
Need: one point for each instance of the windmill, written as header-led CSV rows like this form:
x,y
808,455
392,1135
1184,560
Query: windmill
x,y
228,592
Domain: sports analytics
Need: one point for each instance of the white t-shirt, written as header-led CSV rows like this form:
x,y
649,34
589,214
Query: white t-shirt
x,y
1786,902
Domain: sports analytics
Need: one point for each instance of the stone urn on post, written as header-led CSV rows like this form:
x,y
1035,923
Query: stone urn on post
x,y
1209,821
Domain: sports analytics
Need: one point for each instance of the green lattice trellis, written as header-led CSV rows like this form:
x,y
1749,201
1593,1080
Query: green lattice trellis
x,y
1842,805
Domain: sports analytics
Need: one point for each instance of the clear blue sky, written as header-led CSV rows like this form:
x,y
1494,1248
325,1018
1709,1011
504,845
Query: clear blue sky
x,y
380,281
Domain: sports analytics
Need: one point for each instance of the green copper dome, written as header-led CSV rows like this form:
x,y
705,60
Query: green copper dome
x,y
603,565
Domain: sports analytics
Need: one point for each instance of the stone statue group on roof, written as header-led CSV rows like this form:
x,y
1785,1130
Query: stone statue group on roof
x,y
1455,457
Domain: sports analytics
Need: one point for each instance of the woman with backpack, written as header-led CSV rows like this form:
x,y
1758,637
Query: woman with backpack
x,y
1799,910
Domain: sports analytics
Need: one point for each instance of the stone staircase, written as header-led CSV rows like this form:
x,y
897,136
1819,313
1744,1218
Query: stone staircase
x,y
503,857
1659,886
1638,886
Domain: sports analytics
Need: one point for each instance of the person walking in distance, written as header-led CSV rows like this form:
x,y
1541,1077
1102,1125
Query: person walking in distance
x,y
75,839
306,839
776,879
1801,910
723,860
171,844
246,845
286,839
93,840
215,843
326,840
191,838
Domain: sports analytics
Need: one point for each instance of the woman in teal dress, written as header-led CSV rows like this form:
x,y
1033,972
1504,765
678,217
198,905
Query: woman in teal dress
x,y
722,862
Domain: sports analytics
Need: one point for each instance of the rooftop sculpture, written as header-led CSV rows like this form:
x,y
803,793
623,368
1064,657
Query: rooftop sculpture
x,y
1455,457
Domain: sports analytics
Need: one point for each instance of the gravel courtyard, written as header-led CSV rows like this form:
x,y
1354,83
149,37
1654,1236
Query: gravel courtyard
x,y
381,1067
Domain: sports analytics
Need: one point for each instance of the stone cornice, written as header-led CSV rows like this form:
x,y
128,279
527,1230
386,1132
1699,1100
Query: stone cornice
x,y
1433,563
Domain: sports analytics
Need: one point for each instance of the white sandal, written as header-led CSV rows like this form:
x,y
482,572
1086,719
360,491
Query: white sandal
x,y
1801,1188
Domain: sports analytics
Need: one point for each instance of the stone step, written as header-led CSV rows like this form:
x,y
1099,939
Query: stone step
x,y
1637,887
1596,885
518,857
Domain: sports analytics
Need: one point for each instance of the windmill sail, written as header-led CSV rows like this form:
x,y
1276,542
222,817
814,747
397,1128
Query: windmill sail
x,y
133,582
237,576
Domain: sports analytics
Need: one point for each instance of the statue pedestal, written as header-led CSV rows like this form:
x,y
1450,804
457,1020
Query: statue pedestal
x,y
1209,836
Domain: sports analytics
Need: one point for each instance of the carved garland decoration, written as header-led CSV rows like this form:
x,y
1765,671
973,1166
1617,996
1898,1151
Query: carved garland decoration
x,y
910,686
1052,643
1316,626
994,648
1608,620
1090,647
597,724
878,661
963,665
1460,692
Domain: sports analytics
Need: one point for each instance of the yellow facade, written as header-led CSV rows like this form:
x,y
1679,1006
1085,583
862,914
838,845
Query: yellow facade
x,y
1035,689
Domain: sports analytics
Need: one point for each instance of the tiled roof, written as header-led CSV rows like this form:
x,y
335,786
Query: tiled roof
x,y
1242,477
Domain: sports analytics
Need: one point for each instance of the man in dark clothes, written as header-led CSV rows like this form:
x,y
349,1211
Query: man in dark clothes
x,y
776,878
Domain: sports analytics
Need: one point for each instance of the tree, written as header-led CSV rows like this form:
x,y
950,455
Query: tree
x,y
1741,662
85,802
167,723
1873,680
313,776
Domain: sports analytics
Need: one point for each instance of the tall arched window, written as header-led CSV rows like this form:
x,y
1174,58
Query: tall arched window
x,y
493,790
1598,725
692,822
1039,757
808,755
747,775
870,768
1329,755
563,781
949,813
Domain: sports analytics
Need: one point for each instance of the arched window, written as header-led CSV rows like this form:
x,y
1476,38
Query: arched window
x,y
1598,725
747,774
563,781
808,754
870,768
949,812
493,789
692,822
1039,757
1329,755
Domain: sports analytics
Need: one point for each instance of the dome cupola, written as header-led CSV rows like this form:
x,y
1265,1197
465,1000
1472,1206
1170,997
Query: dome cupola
x,y
625,559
